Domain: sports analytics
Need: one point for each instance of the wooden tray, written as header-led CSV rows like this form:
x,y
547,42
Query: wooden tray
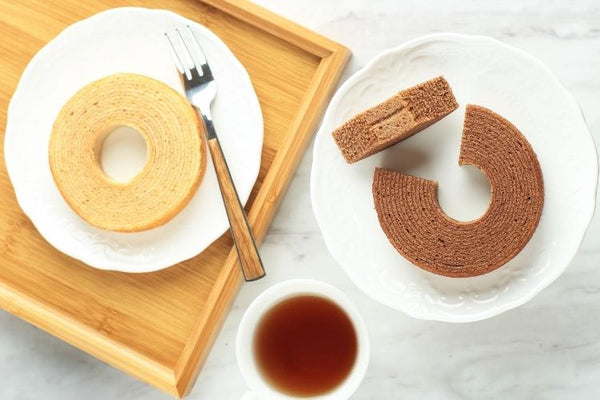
x,y
160,326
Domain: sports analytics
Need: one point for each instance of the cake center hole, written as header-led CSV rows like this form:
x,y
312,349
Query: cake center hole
x,y
464,193
123,154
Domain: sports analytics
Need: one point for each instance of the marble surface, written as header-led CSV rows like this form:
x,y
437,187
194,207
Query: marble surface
x,y
547,349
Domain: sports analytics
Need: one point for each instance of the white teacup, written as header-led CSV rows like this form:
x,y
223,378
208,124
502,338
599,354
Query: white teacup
x,y
261,389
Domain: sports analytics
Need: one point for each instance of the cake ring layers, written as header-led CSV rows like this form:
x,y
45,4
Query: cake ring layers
x,y
175,160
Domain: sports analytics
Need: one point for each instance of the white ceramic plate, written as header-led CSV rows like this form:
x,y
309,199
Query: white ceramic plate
x,y
127,40
481,71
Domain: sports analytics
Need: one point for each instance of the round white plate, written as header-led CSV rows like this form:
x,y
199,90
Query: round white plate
x,y
481,71
127,40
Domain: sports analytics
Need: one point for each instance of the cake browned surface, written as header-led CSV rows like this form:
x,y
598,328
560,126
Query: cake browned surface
x,y
396,119
175,152
409,213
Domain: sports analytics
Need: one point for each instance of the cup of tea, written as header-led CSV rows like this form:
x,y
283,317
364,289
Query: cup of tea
x,y
302,339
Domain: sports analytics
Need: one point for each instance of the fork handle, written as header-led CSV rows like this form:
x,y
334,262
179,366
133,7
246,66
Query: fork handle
x,y
250,261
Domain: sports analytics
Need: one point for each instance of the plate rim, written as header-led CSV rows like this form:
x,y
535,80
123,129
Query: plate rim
x,y
542,283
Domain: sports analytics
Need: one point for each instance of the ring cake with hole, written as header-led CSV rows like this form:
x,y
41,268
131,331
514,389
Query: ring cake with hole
x,y
175,161
396,119
409,213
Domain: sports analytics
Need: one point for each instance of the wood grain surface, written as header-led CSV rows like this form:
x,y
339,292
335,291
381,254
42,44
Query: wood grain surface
x,y
243,238
159,326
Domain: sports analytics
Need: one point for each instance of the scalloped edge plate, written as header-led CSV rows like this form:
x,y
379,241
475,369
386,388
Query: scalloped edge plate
x,y
481,70
127,39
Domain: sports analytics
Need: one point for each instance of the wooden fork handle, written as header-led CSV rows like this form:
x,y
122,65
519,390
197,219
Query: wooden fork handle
x,y
250,261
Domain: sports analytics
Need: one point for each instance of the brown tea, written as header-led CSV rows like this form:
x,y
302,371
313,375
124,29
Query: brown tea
x,y
305,346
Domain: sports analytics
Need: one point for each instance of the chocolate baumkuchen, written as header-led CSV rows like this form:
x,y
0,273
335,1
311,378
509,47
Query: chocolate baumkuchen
x,y
411,217
396,119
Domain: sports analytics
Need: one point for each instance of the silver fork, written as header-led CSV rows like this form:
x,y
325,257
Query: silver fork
x,y
201,89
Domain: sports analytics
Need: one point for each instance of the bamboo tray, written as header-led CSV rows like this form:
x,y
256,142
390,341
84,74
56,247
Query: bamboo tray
x,y
160,326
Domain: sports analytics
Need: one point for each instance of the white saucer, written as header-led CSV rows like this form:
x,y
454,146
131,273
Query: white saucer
x,y
481,71
127,40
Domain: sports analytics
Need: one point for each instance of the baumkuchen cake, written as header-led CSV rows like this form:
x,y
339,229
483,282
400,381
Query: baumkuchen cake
x,y
396,119
411,217
175,159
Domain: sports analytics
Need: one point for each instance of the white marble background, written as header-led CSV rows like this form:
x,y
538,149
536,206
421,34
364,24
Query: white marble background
x,y
547,349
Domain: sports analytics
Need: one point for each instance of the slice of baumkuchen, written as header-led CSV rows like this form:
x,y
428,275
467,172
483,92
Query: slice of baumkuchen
x,y
411,217
396,119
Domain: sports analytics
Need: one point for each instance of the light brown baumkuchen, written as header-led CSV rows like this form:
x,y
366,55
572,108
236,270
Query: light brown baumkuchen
x,y
175,162
411,217
396,119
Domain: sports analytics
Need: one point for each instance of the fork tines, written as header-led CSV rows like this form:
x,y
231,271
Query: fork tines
x,y
187,53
